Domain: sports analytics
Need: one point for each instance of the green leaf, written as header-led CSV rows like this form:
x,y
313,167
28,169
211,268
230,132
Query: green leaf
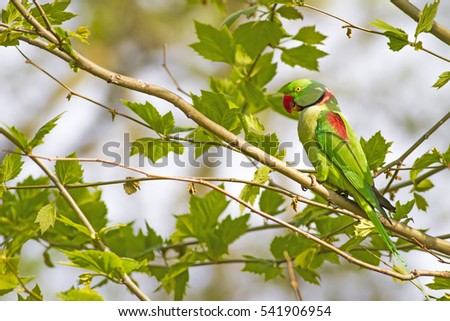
x,y
176,279
160,124
375,149
426,17
46,217
130,265
55,12
255,36
421,202
230,229
125,242
443,79
250,192
398,38
203,217
36,290
233,17
215,107
11,167
69,172
83,294
305,56
215,45
106,263
80,228
402,210
268,142
20,137
270,202
423,185
304,259
155,149
263,71
269,269
421,163
44,130
310,36
439,283
289,12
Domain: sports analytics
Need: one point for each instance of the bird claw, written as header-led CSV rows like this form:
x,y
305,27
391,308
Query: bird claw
x,y
313,180
343,194
331,204
313,183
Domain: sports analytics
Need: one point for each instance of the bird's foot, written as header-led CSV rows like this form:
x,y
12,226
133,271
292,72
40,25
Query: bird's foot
x,y
343,193
331,204
313,182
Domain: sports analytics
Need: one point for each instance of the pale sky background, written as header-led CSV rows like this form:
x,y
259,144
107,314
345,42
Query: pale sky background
x,y
377,90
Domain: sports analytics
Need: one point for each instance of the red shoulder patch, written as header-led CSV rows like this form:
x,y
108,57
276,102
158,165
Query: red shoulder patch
x,y
338,124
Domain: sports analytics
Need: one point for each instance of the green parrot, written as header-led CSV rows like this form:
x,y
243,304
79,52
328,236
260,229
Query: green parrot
x,y
334,150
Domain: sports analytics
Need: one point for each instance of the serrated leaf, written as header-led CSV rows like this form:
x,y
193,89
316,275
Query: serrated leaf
x,y
263,71
255,36
69,172
443,79
423,162
230,229
131,265
250,192
55,12
266,268
46,217
124,241
105,263
20,137
305,56
215,107
203,217
83,294
375,149
289,12
148,113
398,38
44,130
421,202
155,149
270,202
402,210
310,36
426,17
439,283
176,279
267,142
11,167
215,45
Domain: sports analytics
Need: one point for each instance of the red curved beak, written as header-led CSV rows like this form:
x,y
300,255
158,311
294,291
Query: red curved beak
x,y
289,103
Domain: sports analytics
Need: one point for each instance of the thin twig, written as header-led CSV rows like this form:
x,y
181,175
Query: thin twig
x,y
292,278
19,279
74,206
166,68
269,217
353,26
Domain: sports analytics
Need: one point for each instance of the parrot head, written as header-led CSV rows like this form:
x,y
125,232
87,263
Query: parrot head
x,y
304,93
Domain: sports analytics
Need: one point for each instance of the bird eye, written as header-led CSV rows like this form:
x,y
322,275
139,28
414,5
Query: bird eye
x,y
297,89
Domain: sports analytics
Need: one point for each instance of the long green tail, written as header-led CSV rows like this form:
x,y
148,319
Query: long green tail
x,y
386,238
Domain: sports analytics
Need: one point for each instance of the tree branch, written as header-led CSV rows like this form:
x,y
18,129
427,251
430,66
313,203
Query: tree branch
x,y
438,30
